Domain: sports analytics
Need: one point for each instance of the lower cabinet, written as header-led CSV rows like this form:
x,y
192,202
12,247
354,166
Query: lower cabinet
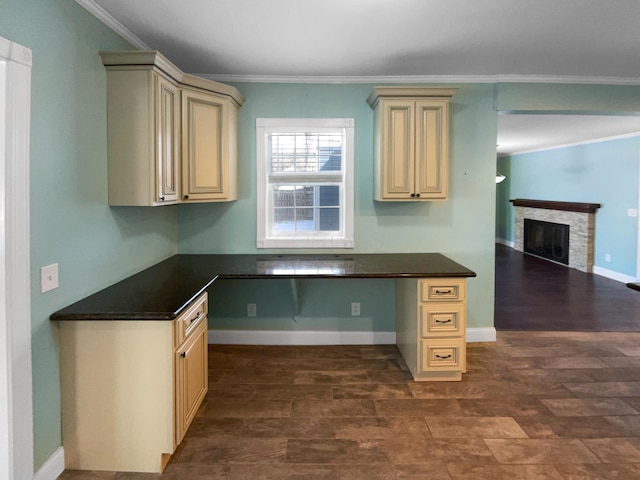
x,y
130,388
431,327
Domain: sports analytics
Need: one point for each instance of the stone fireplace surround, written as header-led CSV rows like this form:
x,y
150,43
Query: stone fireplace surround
x,y
579,216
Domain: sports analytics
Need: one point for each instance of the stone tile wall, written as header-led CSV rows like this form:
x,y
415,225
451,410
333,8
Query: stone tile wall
x,y
581,232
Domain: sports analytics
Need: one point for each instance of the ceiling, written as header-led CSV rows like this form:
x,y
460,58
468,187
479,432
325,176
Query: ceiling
x,y
527,133
421,41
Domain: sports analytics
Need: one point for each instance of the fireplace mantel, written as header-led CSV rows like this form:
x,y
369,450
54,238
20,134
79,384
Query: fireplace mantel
x,y
555,205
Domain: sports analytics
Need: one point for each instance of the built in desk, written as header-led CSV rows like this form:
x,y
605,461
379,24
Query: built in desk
x,y
133,357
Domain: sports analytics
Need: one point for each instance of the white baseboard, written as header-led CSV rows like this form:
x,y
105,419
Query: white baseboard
x,y
481,334
620,277
53,467
508,243
603,272
285,337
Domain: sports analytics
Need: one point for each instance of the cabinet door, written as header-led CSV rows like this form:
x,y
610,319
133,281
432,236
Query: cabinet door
x,y
191,378
431,149
167,137
397,149
205,147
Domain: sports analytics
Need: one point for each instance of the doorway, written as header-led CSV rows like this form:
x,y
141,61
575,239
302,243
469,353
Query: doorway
x,y
16,416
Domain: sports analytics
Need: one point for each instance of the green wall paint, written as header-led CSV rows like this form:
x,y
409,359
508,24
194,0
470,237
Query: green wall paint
x,y
563,98
462,228
70,221
605,172
323,305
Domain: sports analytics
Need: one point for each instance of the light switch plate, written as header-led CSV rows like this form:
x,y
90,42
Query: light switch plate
x,y
48,278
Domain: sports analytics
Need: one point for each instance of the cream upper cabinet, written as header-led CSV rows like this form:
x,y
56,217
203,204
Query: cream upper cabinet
x,y
143,115
171,136
411,142
209,147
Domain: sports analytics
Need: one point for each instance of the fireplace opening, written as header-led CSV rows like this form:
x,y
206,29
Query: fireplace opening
x,y
547,240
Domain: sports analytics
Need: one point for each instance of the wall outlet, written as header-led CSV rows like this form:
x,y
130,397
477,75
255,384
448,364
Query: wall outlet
x,y
252,309
607,257
48,278
355,309
632,212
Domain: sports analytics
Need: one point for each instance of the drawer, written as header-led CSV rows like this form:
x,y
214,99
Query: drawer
x,y
442,355
187,322
442,289
442,319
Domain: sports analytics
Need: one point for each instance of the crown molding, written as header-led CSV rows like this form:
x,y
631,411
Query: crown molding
x,y
421,79
572,144
106,18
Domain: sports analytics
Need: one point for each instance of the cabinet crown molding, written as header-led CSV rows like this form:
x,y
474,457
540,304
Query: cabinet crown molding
x,y
154,59
409,92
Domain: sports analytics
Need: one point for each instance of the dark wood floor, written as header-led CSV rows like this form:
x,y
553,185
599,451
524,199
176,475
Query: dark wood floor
x,y
534,294
533,405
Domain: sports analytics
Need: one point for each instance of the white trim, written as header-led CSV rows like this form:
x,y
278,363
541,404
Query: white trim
x,y
508,243
638,224
307,337
620,277
315,337
16,391
53,467
481,334
400,79
575,144
106,18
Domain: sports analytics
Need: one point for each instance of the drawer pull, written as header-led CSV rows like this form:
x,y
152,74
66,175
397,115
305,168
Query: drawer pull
x,y
195,318
448,320
443,356
443,292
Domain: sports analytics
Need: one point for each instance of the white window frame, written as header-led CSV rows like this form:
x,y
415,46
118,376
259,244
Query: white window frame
x,y
266,237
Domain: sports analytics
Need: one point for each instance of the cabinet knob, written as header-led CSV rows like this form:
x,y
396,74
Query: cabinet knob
x,y
413,195
183,354
162,198
186,197
417,194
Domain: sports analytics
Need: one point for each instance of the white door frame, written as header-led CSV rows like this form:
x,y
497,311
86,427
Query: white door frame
x,y
638,225
16,393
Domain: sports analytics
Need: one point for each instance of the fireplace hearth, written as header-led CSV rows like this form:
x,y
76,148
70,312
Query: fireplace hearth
x,y
547,240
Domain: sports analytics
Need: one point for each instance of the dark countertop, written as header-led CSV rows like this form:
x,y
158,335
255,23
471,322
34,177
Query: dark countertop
x,y
162,291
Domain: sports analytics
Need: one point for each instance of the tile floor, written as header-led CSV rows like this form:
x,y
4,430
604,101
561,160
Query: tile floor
x,y
533,405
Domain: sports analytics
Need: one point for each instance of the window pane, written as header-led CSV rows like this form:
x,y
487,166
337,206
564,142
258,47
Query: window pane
x,y
305,152
329,219
283,219
329,196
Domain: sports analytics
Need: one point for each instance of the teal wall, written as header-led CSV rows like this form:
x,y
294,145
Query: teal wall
x,y
71,224
462,228
606,172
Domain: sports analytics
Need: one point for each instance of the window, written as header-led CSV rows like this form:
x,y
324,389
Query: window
x,y
305,182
